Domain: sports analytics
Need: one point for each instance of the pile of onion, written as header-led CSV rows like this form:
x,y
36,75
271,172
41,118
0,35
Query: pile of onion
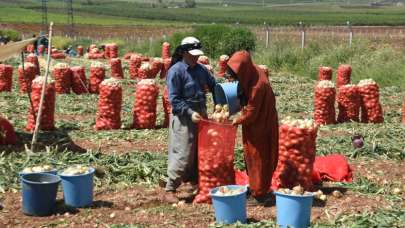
x,y
324,103
371,109
48,109
325,73
297,148
109,105
348,100
97,75
63,78
221,114
145,105
25,77
6,77
223,60
344,73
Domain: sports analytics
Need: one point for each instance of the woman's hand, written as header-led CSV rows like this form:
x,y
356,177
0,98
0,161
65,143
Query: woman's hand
x,y
196,117
235,121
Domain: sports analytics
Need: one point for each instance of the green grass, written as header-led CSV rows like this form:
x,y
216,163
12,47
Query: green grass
x,y
21,15
132,12
378,61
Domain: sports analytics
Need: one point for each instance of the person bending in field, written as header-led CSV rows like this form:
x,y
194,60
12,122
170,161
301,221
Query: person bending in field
x,y
259,122
187,82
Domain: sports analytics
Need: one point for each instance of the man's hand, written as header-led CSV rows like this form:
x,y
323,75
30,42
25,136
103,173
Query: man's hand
x,y
195,117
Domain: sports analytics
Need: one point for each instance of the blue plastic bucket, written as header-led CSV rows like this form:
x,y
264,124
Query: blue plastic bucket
x,y
78,189
227,93
293,211
39,193
230,209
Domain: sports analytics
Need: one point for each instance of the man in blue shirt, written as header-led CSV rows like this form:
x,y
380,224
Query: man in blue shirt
x,y
187,82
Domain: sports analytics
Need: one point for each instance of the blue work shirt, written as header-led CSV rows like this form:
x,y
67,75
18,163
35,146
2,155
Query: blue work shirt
x,y
187,87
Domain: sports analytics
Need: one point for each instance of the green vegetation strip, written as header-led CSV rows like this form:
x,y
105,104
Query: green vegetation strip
x,y
130,168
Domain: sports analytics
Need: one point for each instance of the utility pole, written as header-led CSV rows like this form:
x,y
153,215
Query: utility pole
x,y
44,16
70,23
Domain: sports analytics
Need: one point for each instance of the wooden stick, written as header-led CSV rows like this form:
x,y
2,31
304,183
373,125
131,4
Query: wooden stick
x,y
41,102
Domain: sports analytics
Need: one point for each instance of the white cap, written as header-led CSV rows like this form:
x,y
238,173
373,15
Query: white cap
x,y
193,45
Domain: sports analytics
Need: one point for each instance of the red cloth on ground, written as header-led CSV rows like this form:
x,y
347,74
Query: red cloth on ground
x,y
259,122
333,168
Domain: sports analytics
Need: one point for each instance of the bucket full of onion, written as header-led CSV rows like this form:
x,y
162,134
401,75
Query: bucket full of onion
x,y
77,183
293,207
229,203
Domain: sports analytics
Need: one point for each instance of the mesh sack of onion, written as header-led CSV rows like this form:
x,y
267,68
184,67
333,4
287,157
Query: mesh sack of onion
x,y
325,73
297,148
97,75
113,51
145,71
324,103
109,105
6,77
216,142
165,50
165,68
62,75
348,100
79,80
344,73
134,65
370,107
144,109
32,58
26,76
48,109
116,68
156,66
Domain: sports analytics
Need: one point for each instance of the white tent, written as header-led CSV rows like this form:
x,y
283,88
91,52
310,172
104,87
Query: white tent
x,y
11,49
